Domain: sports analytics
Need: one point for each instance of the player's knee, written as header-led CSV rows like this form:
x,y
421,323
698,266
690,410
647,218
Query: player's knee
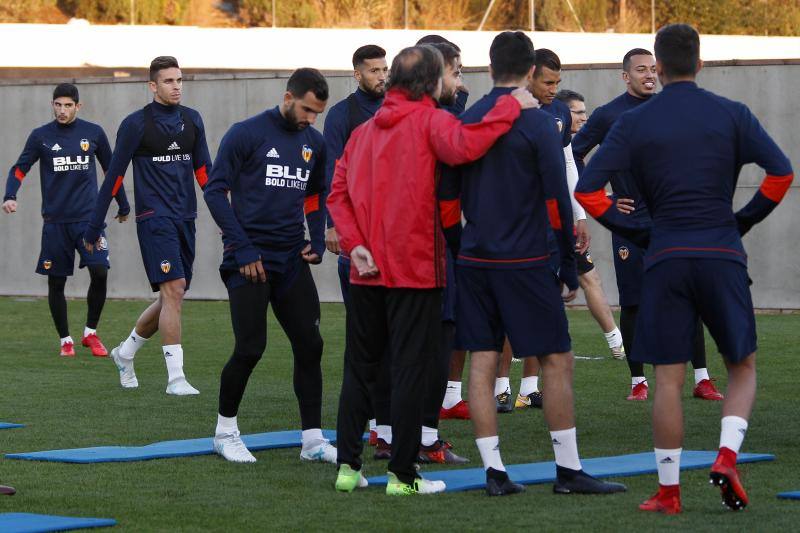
x,y
249,353
173,290
56,283
589,281
98,273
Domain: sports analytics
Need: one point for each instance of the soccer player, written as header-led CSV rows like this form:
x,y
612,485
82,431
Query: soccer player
x,y
167,144
695,264
505,283
639,75
577,108
544,86
66,149
369,70
266,256
452,405
384,205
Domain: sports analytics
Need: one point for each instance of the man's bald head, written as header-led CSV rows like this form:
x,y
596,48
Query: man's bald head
x,y
418,71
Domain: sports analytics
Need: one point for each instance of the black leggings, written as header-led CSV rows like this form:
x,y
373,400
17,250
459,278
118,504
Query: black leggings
x,y
296,307
627,319
95,298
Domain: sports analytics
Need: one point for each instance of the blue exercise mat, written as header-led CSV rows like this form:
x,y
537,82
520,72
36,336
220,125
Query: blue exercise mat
x,y
794,495
617,466
35,523
167,449
9,425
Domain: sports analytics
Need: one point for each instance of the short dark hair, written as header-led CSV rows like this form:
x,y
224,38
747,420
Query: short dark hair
x,y
160,63
66,90
416,70
567,96
546,58
626,61
304,80
436,39
511,56
448,51
678,49
368,51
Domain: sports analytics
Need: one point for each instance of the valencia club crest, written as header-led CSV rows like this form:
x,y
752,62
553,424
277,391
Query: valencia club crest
x,y
307,153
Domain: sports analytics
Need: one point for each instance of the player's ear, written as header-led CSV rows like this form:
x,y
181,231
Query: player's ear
x,y
288,99
699,66
153,86
357,75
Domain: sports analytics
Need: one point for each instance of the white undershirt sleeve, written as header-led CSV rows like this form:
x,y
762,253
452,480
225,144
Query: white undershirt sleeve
x,y
572,180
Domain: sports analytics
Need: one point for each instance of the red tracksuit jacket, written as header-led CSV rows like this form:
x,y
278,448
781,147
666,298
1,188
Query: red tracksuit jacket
x,y
383,194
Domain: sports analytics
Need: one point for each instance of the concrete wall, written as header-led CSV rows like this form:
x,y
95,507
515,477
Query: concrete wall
x,y
223,100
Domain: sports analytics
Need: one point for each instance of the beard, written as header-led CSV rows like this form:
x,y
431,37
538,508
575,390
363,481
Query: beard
x,y
447,99
291,118
377,91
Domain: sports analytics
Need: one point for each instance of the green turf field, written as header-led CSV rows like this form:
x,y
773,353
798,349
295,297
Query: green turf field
x,y
78,403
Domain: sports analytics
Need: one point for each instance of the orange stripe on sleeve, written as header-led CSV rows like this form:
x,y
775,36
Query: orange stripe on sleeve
x,y
20,175
552,213
596,202
775,187
450,212
117,185
311,204
201,175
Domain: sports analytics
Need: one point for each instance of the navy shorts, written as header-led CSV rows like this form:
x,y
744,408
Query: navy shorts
x,y
167,247
59,242
584,263
523,304
629,268
279,281
676,292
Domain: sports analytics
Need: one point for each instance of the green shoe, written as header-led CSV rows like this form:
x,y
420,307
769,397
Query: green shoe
x,y
395,487
348,479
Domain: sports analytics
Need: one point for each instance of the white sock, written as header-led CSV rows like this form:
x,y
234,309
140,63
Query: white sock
x,y
385,433
67,339
636,380
613,338
453,394
173,355
372,424
489,447
429,435
501,385
528,385
700,374
669,466
312,437
89,331
131,345
226,425
733,431
565,446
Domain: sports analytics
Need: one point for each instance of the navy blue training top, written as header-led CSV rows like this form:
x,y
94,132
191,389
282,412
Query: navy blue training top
x,y
594,132
276,177
561,113
67,169
164,184
687,168
511,195
338,128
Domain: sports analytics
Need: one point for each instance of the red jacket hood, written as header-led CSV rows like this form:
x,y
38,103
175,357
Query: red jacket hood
x,y
397,105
